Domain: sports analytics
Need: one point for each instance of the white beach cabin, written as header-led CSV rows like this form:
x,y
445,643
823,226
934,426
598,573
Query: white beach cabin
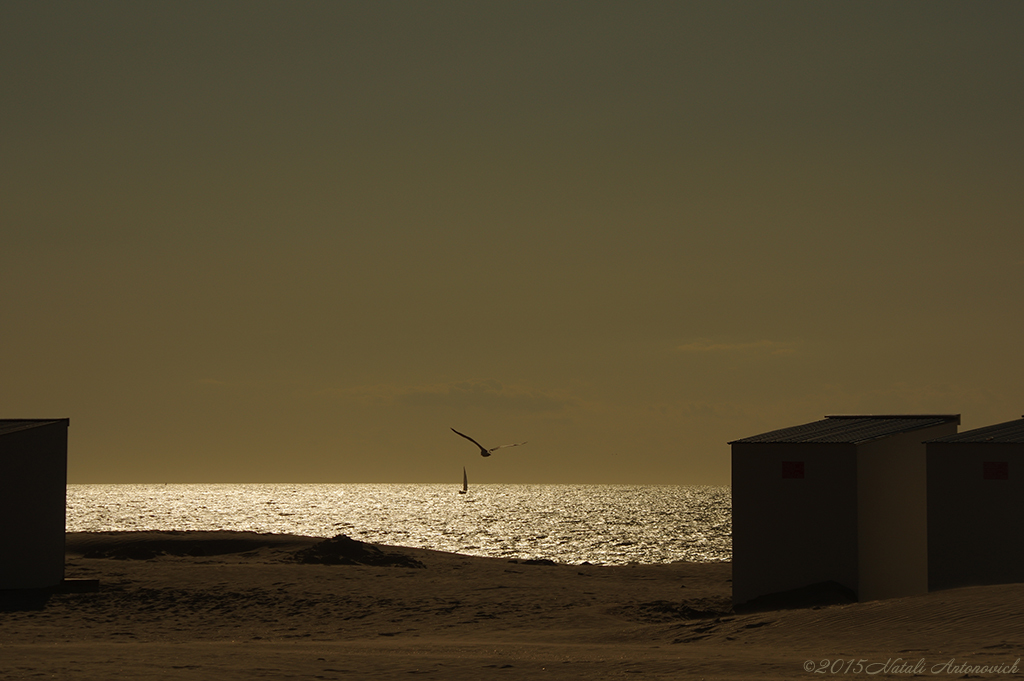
x,y
839,500
976,507
33,484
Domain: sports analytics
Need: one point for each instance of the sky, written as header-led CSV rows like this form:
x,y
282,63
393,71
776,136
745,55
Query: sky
x,y
299,241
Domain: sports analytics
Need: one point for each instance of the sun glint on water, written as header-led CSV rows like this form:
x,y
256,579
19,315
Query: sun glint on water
x,y
600,524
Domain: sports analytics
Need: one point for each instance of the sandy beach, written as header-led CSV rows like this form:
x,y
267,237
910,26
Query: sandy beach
x,y
218,605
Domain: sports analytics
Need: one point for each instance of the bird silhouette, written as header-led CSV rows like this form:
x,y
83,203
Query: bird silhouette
x,y
483,450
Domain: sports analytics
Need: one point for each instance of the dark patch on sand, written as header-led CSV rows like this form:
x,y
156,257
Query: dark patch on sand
x,y
343,550
815,595
149,545
667,611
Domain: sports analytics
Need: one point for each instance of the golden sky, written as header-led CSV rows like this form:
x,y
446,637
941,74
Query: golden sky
x,y
298,241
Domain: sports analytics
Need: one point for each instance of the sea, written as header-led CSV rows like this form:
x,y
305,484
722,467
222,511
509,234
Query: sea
x,y
574,524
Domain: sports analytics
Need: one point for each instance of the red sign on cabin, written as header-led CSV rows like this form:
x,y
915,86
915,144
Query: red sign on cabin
x,y
995,470
793,469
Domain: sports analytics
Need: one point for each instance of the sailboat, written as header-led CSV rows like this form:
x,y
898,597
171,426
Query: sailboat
x,y
465,482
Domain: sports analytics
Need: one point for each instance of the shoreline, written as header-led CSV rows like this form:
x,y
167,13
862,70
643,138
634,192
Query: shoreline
x,y
239,605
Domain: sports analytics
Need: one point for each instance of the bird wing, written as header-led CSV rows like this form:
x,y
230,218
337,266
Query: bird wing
x,y
470,439
503,446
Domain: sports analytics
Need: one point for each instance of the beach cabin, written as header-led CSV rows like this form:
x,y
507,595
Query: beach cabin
x,y
33,483
976,507
840,501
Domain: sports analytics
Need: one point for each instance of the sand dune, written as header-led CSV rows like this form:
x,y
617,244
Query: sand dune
x,y
240,606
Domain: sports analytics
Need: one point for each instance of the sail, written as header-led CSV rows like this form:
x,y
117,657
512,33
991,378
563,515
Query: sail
x,y
465,481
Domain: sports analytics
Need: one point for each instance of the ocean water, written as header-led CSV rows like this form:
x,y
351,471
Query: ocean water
x,y
599,524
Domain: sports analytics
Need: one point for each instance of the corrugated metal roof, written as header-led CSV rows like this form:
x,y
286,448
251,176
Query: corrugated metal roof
x,y
853,428
1011,432
12,425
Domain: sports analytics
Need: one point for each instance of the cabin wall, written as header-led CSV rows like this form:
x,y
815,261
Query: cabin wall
x,y
892,508
33,483
892,500
975,512
791,531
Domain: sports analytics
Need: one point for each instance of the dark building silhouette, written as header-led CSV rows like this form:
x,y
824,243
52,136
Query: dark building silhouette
x,y
33,484
976,507
840,501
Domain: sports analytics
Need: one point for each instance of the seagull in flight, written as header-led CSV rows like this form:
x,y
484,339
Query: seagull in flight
x,y
483,450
